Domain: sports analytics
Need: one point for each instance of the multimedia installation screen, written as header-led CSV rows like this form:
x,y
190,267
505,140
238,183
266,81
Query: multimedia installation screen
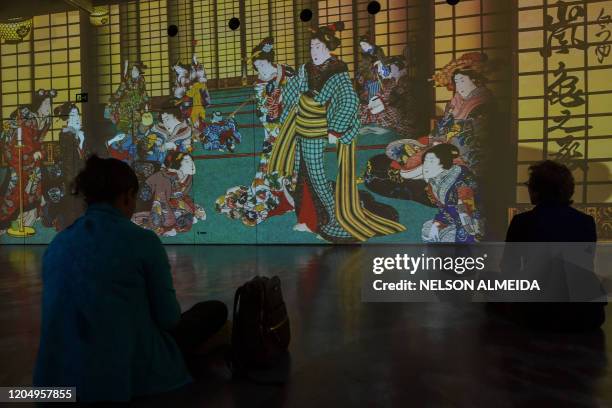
x,y
330,121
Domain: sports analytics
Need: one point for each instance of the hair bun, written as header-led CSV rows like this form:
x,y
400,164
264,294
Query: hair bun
x,y
64,109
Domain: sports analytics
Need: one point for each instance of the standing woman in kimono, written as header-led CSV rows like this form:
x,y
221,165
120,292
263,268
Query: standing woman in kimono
x,y
125,110
62,207
321,108
267,195
28,129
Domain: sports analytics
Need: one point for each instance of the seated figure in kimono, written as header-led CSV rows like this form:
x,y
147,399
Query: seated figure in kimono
x,y
367,77
452,188
172,210
176,134
398,173
467,120
394,106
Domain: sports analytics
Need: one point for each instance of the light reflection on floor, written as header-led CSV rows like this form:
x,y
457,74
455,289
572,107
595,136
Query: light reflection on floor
x,y
343,351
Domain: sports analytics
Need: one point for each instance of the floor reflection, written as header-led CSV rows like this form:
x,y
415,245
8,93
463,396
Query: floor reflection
x,y
345,351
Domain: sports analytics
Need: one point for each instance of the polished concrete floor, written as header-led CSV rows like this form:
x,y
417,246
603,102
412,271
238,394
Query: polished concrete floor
x,y
344,352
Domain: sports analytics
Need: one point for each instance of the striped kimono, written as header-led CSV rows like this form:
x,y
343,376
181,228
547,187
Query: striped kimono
x,y
320,100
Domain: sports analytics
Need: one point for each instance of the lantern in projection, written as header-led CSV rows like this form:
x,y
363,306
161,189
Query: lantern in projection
x,y
14,30
100,16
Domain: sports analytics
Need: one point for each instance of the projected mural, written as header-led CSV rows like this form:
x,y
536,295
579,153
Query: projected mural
x,y
331,121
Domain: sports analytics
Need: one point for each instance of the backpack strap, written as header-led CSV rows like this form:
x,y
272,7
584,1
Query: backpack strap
x,y
230,360
236,301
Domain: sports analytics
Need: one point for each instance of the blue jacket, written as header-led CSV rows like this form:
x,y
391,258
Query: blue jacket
x,y
107,304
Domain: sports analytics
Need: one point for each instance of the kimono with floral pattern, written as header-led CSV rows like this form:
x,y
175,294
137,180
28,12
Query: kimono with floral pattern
x,y
267,194
455,193
10,198
173,209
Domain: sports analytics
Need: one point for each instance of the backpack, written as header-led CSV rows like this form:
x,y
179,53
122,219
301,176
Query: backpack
x,y
260,333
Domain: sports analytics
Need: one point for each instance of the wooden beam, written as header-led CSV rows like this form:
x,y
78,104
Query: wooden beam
x,y
84,5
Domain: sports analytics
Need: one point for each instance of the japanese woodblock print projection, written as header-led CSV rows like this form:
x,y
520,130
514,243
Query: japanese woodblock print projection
x,y
329,121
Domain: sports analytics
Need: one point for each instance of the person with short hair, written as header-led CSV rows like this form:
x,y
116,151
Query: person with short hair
x,y
111,324
551,187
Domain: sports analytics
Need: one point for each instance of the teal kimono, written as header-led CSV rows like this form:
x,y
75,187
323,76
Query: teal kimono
x,y
320,101
332,86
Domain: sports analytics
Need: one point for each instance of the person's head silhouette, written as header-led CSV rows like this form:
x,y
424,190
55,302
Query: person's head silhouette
x,y
550,183
108,181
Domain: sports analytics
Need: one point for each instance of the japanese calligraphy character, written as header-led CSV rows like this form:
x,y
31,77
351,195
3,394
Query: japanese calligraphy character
x,y
562,120
569,153
602,51
563,90
569,19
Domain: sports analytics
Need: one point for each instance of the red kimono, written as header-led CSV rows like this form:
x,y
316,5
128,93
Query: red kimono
x,y
31,172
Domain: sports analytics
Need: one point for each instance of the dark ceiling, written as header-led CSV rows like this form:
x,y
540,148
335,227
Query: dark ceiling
x,y
22,8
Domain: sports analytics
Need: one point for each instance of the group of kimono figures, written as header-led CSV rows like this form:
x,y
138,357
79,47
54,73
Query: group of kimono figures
x,y
303,112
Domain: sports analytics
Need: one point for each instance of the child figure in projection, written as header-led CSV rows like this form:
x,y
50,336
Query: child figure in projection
x,y
321,108
198,92
267,195
149,146
220,134
190,92
27,128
